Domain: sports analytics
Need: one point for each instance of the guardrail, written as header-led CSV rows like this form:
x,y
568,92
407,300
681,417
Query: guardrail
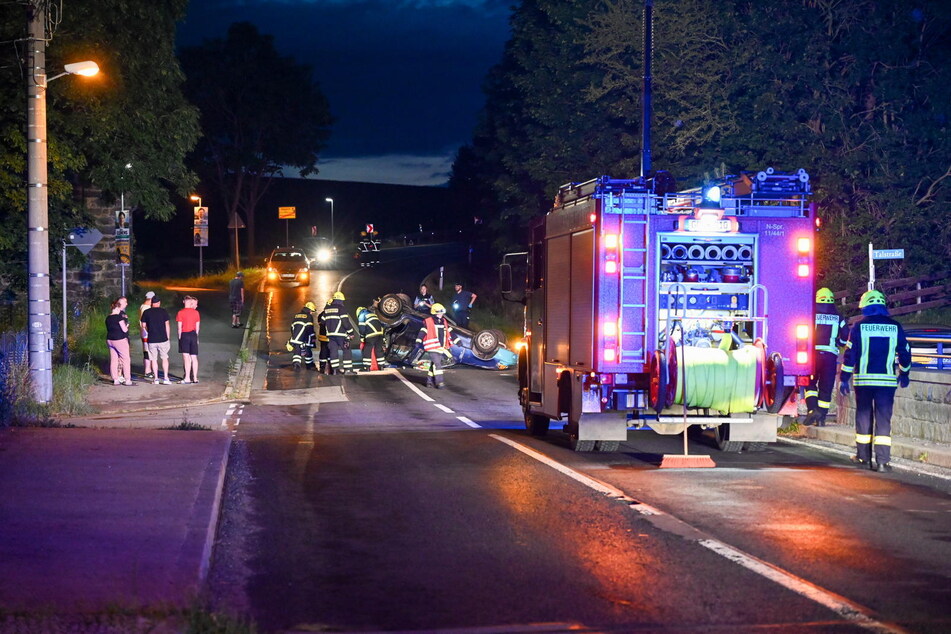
x,y
937,360
906,295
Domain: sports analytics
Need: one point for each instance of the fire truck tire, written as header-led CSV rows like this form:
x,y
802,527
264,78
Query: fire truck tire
x,y
580,445
722,435
773,389
485,344
390,308
536,425
657,392
607,446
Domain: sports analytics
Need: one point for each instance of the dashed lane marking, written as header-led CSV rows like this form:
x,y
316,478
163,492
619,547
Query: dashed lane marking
x,y
469,422
413,387
443,408
845,608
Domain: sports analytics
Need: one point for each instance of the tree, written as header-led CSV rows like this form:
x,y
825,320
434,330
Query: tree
x,y
133,113
260,112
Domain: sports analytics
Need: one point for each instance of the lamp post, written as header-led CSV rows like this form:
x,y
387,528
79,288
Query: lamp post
x,y
39,335
331,201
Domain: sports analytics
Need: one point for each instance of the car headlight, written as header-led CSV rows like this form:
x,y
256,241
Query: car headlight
x,y
323,255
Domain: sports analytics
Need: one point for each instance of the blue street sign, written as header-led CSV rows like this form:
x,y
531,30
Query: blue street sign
x,y
888,254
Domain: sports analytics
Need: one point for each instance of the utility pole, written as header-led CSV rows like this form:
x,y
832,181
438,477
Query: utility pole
x,y
39,335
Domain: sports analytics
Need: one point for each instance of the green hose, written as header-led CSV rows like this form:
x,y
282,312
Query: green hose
x,y
723,380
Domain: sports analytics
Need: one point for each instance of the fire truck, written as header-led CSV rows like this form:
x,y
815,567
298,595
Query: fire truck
x,y
665,309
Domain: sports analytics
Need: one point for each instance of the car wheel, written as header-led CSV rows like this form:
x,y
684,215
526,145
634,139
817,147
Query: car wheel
x,y
390,308
485,344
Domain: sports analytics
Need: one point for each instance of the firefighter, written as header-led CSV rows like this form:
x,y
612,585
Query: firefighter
x,y
435,337
371,338
831,333
870,353
339,330
323,356
302,336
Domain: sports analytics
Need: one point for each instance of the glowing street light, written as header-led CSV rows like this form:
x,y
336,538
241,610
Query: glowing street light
x,y
39,330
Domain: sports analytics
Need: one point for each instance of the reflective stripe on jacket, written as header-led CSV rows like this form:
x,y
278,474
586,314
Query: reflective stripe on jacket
x,y
870,353
302,328
831,331
434,335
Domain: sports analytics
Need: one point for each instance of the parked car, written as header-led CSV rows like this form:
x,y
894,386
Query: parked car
x,y
288,265
482,349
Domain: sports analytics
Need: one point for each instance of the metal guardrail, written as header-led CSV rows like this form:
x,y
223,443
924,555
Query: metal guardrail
x,y
940,358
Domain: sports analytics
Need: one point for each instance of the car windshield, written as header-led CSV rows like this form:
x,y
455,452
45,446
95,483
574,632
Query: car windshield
x,y
287,257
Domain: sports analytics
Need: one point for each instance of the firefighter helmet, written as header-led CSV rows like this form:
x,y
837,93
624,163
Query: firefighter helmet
x,y
872,297
438,309
311,306
339,295
824,296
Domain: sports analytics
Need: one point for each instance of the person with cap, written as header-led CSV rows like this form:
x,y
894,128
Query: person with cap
x,y
156,325
236,298
870,355
147,369
371,339
831,332
339,329
435,336
301,342
462,305
189,324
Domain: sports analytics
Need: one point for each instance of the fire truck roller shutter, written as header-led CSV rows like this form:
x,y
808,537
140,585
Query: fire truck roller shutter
x,y
728,252
724,380
713,252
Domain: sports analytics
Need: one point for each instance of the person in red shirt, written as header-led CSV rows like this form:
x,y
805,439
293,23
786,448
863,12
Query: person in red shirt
x,y
189,323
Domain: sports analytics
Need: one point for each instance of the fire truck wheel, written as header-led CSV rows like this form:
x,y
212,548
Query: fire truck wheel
x,y
773,390
657,393
535,424
606,446
722,434
485,344
390,308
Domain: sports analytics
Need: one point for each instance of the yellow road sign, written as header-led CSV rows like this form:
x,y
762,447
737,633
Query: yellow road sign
x,y
286,213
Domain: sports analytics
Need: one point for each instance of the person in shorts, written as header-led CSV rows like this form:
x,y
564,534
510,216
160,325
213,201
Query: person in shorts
x,y
156,326
189,323
236,298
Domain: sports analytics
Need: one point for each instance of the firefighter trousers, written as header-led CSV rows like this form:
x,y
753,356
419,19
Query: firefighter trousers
x,y
819,391
373,349
323,357
874,430
435,375
303,353
337,348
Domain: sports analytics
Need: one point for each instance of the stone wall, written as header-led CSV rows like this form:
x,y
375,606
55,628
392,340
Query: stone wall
x,y
922,410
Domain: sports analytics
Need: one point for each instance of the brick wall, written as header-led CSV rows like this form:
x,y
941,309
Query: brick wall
x,y
922,410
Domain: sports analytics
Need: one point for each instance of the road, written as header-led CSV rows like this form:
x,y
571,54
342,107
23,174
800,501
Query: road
x,y
371,503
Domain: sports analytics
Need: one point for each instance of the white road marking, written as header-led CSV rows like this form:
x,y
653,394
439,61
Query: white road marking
x,y
413,387
469,422
443,408
230,410
846,609
224,422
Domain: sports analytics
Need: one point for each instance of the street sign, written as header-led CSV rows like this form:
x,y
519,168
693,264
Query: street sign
x,y
84,239
236,222
286,213
888,254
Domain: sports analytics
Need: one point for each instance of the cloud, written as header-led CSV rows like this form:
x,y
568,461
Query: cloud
x,y
392,169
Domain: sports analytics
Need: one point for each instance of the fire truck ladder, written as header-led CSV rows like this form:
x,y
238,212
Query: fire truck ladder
x,y
634,288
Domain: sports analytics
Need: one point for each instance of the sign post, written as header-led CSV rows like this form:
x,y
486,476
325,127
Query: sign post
x,y
201,235
85,240
287,214
880,254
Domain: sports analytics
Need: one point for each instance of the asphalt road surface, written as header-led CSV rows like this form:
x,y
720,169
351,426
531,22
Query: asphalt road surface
x,y
371,503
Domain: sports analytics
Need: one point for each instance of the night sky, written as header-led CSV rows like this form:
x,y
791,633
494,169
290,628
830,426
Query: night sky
x,y
403,77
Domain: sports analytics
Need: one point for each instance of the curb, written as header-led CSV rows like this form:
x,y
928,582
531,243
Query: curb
x,y
212,532
238,387
915,451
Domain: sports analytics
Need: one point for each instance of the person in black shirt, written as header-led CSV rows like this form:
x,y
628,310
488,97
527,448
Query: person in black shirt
x,y
117,337
462,305
157,326
424,301
236,298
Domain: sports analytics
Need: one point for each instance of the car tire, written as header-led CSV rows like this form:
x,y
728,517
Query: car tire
x,y
390,308
485,344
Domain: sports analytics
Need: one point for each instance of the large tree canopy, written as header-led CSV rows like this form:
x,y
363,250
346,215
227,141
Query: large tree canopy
x,y
856,93
260,112
132,114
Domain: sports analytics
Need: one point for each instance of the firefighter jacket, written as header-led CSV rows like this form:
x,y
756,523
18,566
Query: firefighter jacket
x,y
336,320
302,328
369,325
870,353
831,329
434,334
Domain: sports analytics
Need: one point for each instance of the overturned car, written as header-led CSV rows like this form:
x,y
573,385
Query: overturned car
x,y
483,349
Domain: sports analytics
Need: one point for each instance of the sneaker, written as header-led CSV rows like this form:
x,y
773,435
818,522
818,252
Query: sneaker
x,y
155,382
148,375
185,382
131,384
166,381
117,382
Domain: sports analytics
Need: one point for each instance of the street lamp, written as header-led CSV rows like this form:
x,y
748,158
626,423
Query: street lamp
x,y
39,335
331,201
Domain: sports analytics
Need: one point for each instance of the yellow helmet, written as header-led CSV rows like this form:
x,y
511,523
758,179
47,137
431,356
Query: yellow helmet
x,y
310,306
824,296
438,309
339,295
872,297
